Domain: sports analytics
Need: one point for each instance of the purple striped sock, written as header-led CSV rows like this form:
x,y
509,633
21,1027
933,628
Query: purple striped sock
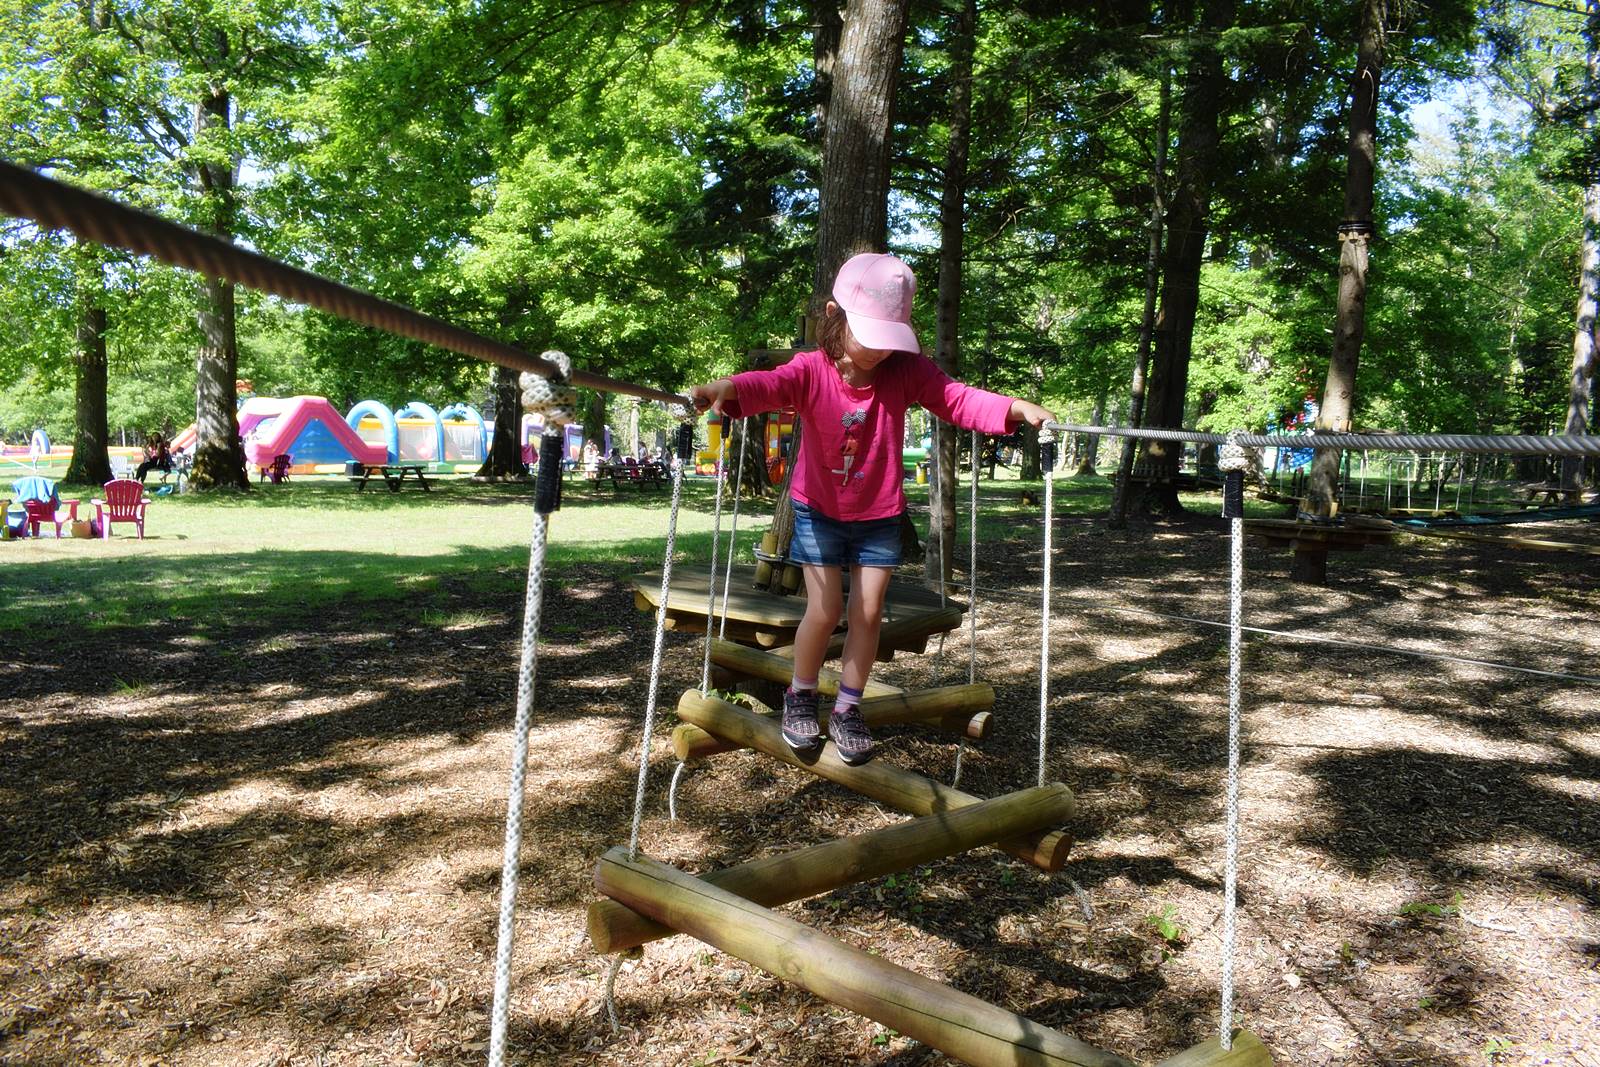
x,y
847,697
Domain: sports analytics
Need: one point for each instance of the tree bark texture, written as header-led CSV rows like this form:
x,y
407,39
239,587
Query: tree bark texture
x,y
218,456
854,214
1581,390
1152,284
854,193
505,446
1091,442
91,463
1187,229
1355,230
952,227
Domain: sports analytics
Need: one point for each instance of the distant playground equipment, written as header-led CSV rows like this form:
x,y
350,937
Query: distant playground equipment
x,y
419,434
777,431
306,427
571,441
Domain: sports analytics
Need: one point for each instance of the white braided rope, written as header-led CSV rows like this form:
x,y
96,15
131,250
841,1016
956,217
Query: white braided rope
x,y
1044,626
1232,458
936,510
672,790
711,576
972,602
655,658
733,532
509,868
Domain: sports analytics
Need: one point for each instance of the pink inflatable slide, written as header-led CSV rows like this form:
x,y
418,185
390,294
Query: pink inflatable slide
x,y
308,428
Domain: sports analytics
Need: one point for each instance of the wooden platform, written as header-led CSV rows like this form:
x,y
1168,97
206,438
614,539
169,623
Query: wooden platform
x,y
1350,536
758,617
1538,544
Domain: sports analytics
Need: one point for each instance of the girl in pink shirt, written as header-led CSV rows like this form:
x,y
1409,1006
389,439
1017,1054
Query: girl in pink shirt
x,y
852,396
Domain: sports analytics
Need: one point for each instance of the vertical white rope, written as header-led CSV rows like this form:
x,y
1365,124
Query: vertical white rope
x,y
655,658
611,993
972,601
733,532
944,542
1044,626
509,880
711,576
1231,862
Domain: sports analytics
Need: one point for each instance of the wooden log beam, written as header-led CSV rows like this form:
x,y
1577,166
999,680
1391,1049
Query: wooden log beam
x,y
956,1023
889,785
754,663
775,880
959,709
1247,1051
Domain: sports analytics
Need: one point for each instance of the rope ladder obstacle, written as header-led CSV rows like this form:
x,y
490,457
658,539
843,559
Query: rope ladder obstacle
x,y
730,909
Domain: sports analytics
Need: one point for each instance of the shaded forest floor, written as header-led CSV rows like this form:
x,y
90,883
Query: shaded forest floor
x,y
278,841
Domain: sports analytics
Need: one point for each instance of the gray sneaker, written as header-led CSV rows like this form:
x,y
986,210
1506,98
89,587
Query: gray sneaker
x,y
848,729
800,727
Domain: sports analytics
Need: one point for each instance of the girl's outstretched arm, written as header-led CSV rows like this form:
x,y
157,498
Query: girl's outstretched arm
x,y
713,395
1030,413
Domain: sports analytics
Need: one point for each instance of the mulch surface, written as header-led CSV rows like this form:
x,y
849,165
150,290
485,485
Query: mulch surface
x,y
281,843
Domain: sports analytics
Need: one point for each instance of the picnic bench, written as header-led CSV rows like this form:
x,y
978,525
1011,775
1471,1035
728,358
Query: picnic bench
x,y
647,475
393,474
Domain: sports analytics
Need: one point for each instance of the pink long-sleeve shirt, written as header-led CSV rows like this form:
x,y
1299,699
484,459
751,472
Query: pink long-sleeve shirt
x,y
850,464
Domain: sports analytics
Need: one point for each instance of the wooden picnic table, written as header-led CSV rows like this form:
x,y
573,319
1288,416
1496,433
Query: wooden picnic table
x,y
394,475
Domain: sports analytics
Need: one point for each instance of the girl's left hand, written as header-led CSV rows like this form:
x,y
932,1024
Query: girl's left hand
x,y
1032,414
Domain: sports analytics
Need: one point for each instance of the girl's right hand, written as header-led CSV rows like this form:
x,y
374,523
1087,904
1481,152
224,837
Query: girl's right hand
x,y
712,395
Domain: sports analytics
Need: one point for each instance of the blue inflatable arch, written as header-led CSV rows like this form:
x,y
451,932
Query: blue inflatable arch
x,y
418,410
381,412
468,413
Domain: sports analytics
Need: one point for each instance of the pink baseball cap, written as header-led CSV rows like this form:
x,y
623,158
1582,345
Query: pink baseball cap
x,y
875,291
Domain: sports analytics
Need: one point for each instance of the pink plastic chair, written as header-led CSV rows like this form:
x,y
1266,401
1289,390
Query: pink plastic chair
x,y
124,502
49,511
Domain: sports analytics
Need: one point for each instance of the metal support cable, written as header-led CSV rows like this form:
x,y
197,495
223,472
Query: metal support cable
x,y
733,533
711,576
1047,460
1513,444
655,658
51,204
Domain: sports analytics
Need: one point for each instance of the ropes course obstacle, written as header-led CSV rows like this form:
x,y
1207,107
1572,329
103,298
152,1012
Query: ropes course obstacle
x,y
1024,824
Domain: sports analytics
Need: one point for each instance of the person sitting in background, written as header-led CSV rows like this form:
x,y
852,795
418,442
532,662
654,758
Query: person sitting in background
x,y
157,454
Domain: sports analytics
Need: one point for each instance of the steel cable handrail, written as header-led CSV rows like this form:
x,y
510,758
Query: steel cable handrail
x,y
1511,444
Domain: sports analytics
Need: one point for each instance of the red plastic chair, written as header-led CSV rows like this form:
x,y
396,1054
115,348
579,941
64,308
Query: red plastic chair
x,y
279,470
124,502
48,511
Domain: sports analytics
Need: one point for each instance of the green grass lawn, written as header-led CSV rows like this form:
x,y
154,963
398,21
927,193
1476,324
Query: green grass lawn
x,y
279,551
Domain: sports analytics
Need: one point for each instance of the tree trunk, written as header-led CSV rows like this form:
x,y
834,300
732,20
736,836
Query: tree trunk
x,y
218,456
1152,281
1091,444
1355,230
952,227
854,215
91,463
505,446
1583,346
854,193
1187,229
1583,360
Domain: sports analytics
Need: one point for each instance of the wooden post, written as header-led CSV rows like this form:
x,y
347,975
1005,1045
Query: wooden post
x,y
960,709
890,785
754,663
823,868
936,1015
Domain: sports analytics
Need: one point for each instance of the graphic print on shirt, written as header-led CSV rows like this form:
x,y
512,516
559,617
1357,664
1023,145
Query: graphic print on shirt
x,y
852,421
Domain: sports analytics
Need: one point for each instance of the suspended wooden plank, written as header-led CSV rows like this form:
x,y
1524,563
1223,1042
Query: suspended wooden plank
x,y
1247,1051
771,667
884,783
1533,543
807,872
958,709
936,1015
762,614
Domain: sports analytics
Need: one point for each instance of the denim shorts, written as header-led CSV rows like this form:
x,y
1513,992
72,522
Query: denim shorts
x,y
829,542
